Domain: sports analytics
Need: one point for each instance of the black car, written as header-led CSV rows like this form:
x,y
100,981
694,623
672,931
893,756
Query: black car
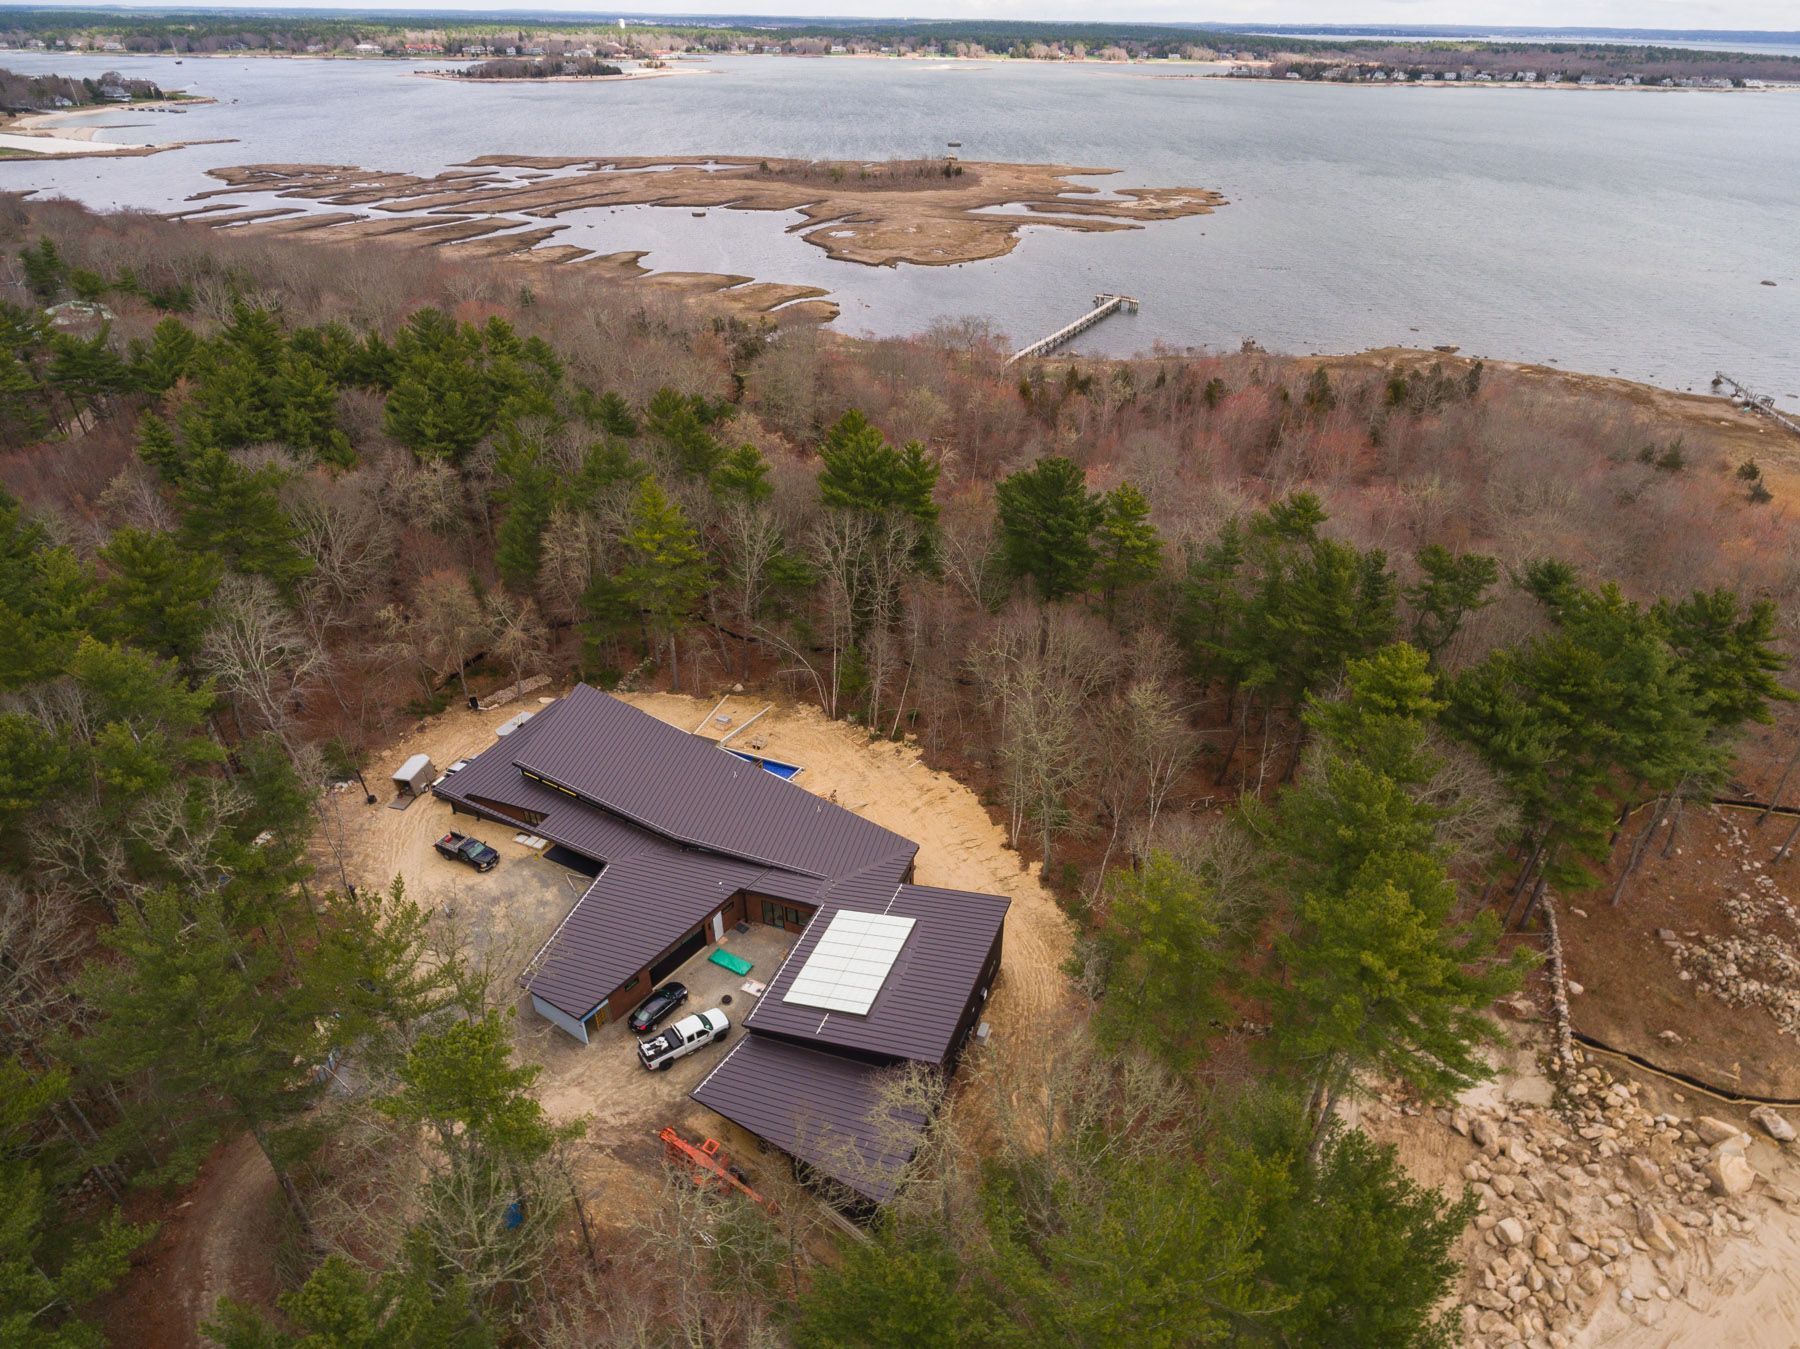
x,y
656,1007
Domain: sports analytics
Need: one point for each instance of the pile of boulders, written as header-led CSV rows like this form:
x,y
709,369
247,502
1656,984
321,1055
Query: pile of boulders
x,y
1758,962
1598,1198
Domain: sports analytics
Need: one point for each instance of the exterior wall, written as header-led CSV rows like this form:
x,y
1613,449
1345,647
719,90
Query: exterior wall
x,y
978,1000
563,1022
499,811
753,911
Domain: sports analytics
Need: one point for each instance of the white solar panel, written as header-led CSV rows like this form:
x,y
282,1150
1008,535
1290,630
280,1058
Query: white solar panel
x,y
850,962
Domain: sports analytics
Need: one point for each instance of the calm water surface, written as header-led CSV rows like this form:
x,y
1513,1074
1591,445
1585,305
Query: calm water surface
x,y
1604,231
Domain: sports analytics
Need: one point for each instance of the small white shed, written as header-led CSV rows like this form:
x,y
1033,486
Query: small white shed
x,y
415,776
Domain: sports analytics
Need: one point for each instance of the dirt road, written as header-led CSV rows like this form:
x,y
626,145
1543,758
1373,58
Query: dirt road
x,y
219,1241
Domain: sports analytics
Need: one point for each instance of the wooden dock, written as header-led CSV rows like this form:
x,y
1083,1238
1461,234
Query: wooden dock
x,y
1104,306
1752,402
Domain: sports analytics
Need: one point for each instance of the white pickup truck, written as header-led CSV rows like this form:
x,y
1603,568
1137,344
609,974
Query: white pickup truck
x,y
682,1038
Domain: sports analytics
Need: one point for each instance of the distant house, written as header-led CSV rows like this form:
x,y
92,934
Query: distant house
x,y
686,841
366,49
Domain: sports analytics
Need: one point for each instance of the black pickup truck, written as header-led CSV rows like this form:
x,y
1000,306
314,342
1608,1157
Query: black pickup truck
x,y
469,851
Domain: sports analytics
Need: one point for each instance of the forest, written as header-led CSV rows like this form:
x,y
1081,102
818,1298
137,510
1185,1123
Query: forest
x,y
1308,687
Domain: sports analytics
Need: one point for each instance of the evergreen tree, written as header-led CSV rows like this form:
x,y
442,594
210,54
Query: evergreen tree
x,y
860,471
1047,520
665,571
35,767
342,1307
158,365
1127,545
207,1019
45,270
158,447
742,475
157,593
236,513
43,596
1451,587
1376,974
49,1271
905,1289
528,492
86,372
612,415
24,414
308,416
1352,1250
1161,961
680,422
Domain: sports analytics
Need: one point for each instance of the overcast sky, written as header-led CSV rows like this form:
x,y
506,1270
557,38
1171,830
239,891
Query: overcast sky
x,y
1740,14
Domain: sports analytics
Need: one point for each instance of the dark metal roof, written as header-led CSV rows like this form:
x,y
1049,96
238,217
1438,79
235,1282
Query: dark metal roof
x,y
681,828
638,907
915,1015
684,788
821,1107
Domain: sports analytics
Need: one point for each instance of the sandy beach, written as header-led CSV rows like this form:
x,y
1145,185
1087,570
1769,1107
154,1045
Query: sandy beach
x,y
59,135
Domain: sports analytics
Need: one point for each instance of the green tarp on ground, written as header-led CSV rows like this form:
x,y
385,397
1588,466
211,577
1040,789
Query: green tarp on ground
x,y
736,964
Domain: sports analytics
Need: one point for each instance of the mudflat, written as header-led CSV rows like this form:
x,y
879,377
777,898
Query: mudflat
x,y
923,212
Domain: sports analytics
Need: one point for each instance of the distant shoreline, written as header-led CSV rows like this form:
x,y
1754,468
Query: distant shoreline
x,y
455,78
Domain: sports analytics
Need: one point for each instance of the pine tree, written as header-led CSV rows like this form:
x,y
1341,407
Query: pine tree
x,y
50,1269
1352,1250
414,1306
1129,550
1376,973
157,594
1452,586
1161,961
680,423
860,471
208,1020
44,592
742,476
1047,519
308,415
157,447
24,403
237,514
529,494
158,365
665,572
86,372
45,270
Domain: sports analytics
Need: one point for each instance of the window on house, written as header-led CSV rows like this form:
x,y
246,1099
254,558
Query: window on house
x,y
779,915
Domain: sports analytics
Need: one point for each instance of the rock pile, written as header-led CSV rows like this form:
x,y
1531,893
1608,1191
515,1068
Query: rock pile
x,y
1758,962
1600,1198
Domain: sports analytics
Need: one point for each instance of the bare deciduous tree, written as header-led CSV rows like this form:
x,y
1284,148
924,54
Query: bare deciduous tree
x,y
260,655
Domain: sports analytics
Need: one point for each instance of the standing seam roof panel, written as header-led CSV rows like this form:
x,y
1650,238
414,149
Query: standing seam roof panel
x,y
820,1107
685,787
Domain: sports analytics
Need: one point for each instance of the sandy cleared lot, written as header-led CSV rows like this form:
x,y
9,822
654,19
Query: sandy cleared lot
x,y
509,912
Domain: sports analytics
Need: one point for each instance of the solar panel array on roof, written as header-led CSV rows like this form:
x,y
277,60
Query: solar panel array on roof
x,y
916,1013
851,961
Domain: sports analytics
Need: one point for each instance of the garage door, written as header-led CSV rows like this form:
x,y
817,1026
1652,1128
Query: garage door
x,y
678,956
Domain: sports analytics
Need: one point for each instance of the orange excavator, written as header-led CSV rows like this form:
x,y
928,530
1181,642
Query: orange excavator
x,y
710,1167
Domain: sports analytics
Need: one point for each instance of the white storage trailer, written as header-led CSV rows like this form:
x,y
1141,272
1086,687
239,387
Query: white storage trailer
x,y
415,776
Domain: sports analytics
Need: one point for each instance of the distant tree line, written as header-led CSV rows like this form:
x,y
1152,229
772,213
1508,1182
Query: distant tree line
x,y
35,93
537,69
